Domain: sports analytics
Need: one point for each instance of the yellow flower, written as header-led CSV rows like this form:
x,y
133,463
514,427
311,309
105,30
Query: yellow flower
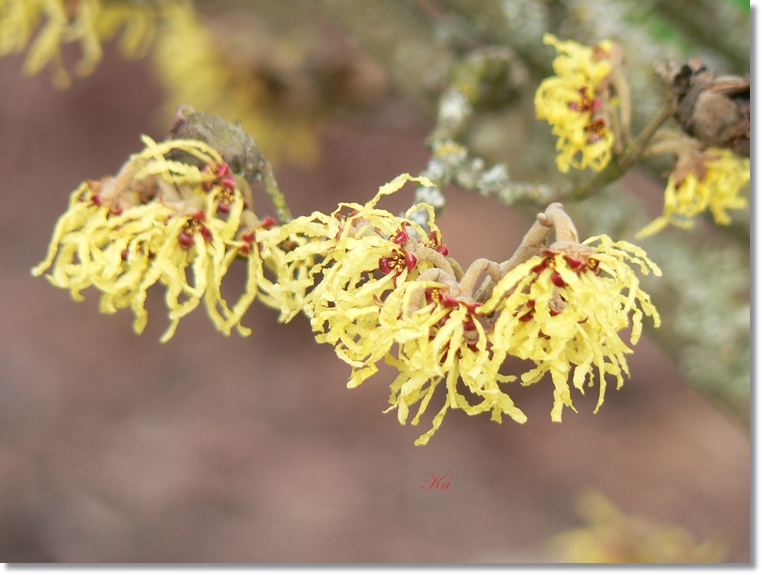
x,y
151,222
563,310
86,22
389,292
293,255
718,190
445,340
571,103
612,536
370,256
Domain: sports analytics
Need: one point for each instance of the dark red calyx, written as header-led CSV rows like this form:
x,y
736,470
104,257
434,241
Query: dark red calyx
x,y
223,170
116,212
469,324
554,313
557,280
410,260
574,263
245,249
97,200
400,238
246,205
433,237
185,239
207,185
200,216
248,238
268,223
224,208
472,346
527,316
384,265
228,182
539,268
206,233
442,249
448,301
124,254
472,307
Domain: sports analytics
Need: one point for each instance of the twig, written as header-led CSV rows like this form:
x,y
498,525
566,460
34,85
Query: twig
x,y
273,190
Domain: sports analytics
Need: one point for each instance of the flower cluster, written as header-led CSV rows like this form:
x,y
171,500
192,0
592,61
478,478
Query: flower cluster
x,y
390,292
563,310
376,286
371,255
86,22
574,101
159,218
713,180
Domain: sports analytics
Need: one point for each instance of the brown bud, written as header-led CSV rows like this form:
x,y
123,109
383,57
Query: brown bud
x,y
237,148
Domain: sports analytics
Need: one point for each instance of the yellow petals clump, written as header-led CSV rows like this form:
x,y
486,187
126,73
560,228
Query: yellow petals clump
x,y
368,260
571,102
156,220
563,310
389,292
86,22
611,536
444,341
718,190
293,255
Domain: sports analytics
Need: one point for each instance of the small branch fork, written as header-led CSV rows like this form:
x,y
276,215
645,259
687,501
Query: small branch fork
x,y
464,288
451,161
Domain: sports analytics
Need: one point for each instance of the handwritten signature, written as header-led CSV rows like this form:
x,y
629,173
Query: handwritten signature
x,y
437,482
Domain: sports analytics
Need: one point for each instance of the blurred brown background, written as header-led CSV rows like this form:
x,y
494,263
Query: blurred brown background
x,y
114,447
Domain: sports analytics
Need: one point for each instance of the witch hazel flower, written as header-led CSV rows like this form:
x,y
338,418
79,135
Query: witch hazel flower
x,y
713,179
442,336
372,253
292,256
578,103
390,292
160,217
563,309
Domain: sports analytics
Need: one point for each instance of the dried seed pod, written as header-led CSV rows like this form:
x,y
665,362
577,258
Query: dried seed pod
x,y
237,148
716,111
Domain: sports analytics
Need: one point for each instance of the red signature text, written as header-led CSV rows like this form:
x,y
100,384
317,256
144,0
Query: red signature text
x,y
436,482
